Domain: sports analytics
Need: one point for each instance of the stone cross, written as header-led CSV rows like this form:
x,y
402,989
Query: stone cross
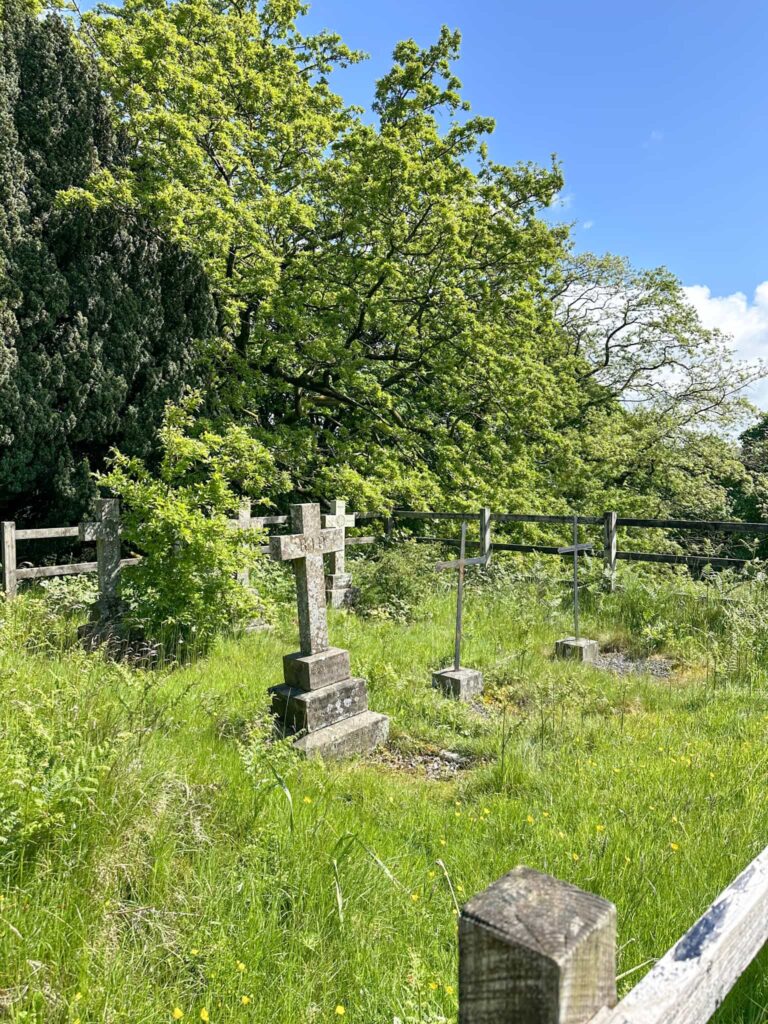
x,y
305,548
575,549
338,518
106,532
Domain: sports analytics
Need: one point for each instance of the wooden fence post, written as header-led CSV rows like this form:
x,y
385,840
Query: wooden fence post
x,y
609,549
244,523
106,532
9,559
534,950
485,532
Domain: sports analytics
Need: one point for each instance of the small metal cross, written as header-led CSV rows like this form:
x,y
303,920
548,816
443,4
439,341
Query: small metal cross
x,y
575,549
461,563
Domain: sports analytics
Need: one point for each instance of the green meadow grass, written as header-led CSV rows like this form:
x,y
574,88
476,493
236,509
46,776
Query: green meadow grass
x,y
158,853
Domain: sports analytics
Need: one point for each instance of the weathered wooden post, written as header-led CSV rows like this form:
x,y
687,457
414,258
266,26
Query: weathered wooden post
x,y
534,950
106,532
244,523
609,549
9,559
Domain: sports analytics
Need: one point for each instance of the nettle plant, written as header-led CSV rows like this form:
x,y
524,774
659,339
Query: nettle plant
x,y
185,590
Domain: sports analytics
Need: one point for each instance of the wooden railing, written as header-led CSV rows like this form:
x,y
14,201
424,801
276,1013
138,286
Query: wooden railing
x,y
535,950
109,545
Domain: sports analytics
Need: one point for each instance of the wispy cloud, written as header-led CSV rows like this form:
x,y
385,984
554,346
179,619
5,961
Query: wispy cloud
x,y
588,224
655,138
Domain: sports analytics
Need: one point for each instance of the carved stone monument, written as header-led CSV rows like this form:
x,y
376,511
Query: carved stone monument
x,y
320,697
338,584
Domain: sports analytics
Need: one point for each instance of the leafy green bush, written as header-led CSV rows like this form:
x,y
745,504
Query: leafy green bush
x,y
185,590
396,580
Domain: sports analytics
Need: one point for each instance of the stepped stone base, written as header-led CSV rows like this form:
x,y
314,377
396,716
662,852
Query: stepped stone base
x,y
577,650
312,710
357,735
338,589
314,671
460,683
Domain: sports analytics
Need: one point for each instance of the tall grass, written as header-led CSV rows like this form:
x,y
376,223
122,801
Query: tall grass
x,y
159,852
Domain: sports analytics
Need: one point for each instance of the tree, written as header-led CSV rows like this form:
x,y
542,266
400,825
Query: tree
x,y
103,316
380,285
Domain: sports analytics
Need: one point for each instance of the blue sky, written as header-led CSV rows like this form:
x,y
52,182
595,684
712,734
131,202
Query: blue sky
x,y
658,112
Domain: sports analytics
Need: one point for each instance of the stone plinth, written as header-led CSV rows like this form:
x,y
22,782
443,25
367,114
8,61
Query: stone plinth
x,y
356,735
313,671
296,710
577,650
461,683
338,589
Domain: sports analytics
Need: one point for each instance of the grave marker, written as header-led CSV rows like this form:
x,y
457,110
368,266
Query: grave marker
x,y
338,583
463,683
576,646
319,696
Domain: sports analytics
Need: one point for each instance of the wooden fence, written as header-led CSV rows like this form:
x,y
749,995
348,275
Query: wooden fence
x,y
105,532
535,950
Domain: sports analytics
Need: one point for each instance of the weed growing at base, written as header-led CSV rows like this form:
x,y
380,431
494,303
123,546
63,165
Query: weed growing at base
x,y
158,855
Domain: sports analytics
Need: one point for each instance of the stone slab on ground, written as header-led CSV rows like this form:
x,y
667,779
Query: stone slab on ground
x,y
461,683
357,735
578,650
313,671
296,709
338,589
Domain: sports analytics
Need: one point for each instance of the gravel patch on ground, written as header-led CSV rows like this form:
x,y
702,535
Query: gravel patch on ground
x,y
440,765
622,664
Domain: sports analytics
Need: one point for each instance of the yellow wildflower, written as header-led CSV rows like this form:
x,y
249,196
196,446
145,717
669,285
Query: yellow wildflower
x,y
245,1000
530,819
574,857
178,1013
204,1015
433,985
240,966
307,799
449,989
674,846
415,897
340,1011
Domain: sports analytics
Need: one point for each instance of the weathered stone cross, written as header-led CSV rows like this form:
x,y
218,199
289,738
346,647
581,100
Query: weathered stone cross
x,y
338,517
305,548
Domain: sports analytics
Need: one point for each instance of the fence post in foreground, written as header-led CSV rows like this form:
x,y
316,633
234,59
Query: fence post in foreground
x,y
485,532
609,549
9,559
534,950
244,523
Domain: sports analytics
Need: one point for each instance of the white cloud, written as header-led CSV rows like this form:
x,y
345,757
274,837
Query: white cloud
x,y
746,322
588,224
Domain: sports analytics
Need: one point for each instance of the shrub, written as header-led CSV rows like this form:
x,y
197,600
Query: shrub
x,y
185,590
396,580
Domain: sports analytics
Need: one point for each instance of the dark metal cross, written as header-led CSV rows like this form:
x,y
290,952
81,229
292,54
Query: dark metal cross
x,y
576,549
461,563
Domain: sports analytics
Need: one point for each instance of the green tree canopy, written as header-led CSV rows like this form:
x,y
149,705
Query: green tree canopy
x,y
100,313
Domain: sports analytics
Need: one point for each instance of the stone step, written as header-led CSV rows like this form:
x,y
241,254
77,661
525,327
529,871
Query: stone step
x,y
296,709
357,735
313,671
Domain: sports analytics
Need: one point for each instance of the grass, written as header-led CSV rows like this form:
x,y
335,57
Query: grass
x,y
159,853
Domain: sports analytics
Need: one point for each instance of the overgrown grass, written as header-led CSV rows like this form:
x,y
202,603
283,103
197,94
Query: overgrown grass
x,y
158,852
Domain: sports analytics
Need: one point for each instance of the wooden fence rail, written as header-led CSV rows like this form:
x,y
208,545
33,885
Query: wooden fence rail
x,y
106,533
535,950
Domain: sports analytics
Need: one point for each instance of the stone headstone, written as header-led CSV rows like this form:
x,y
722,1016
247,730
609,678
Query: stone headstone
x,y
320,701
338,583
